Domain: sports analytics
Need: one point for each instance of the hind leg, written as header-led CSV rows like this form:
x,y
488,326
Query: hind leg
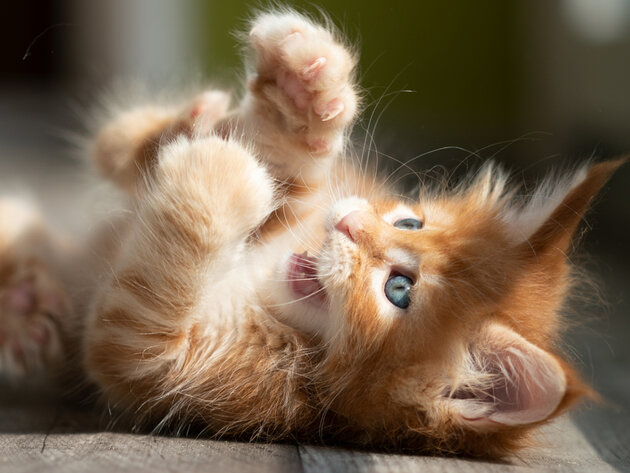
x,y
32,302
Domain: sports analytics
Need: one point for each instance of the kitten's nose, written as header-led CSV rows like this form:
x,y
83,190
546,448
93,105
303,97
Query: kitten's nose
x,y
350,225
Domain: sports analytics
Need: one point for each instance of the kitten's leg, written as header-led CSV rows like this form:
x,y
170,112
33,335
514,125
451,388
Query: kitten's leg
x,y
205,197
127,146
301,96
32,302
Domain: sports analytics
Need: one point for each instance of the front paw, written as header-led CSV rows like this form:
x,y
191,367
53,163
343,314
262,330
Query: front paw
x,y
201,114
305,75
32,305
216,179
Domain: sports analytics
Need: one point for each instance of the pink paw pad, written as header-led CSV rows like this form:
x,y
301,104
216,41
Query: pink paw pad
x,y
318,145
197,110
204,111
294,89
30,307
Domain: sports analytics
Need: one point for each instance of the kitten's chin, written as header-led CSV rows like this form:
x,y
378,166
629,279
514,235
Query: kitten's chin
x,y
303,280
296,296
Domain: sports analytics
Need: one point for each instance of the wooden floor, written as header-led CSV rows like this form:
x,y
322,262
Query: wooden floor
x,y
41,433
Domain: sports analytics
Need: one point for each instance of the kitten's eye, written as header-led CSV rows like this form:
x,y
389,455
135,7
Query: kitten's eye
x,y
408,224
397,290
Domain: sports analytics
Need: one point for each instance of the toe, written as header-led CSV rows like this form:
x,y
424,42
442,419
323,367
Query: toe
x,y
330,110
312,70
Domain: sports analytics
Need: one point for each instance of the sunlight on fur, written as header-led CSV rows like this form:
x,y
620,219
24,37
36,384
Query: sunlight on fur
x,y
266,286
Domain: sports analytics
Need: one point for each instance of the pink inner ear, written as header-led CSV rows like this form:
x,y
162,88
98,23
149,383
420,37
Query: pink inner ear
x,y
526,383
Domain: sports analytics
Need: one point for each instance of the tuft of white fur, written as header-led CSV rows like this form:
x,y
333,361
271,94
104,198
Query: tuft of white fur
x,y
524,219
16,217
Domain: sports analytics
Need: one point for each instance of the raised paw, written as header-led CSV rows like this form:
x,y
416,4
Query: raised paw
x,y
306,76
211,179
200,115
32,305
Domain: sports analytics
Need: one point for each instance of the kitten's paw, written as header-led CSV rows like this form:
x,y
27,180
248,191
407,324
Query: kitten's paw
x,y
201,114
217,176
306,75
31,306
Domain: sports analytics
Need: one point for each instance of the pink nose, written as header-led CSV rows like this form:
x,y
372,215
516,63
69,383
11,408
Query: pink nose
x,y
350,225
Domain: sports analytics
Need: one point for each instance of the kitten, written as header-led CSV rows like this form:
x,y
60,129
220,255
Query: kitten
x,y
264,288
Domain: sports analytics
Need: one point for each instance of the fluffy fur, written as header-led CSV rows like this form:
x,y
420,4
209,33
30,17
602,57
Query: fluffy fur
x,y
199,308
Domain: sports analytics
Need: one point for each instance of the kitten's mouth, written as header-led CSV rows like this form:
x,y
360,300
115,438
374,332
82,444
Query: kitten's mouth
x,y
302,278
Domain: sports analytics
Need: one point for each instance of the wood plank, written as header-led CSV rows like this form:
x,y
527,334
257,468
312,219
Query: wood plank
x,y
563,448
120,452
41,434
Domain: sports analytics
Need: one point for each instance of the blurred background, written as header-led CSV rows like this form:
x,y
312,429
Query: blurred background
x,y
532,83
528,82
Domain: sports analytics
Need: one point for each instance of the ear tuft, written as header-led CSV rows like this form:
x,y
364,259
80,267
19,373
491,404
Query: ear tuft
x,y
551,216
508,381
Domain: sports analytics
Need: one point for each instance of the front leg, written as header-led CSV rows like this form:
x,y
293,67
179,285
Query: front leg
x,y
204,199
126,148
301,96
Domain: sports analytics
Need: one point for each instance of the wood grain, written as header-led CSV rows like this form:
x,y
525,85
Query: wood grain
x,y
48,435
39,433
562,448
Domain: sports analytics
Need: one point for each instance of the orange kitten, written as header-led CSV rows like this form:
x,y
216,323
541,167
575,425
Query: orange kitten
x,y
264,288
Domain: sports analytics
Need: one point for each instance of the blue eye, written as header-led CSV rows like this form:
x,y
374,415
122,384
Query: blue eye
x,y
408,224
397,290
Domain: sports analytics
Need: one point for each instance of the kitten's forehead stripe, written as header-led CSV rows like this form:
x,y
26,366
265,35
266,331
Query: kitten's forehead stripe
x,y
404,258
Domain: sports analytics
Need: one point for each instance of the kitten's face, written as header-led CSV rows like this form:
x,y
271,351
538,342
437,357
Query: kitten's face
x,y
440,315
390,266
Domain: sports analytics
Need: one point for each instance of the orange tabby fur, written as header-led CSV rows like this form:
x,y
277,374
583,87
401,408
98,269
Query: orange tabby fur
x,y
196,317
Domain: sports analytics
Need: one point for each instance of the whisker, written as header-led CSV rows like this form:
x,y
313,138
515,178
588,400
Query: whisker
x,y
298,300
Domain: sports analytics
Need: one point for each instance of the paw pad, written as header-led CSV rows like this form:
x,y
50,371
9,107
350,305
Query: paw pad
x,y
305,73
31,304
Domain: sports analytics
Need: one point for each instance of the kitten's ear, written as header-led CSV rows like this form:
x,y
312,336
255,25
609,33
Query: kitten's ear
x,y
550,219
508,381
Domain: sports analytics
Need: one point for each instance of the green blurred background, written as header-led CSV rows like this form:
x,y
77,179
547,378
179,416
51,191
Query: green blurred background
x,y
454,58
453,72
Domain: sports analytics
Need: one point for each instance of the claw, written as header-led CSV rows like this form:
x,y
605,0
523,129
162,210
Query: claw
x,y
334,108
311,71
